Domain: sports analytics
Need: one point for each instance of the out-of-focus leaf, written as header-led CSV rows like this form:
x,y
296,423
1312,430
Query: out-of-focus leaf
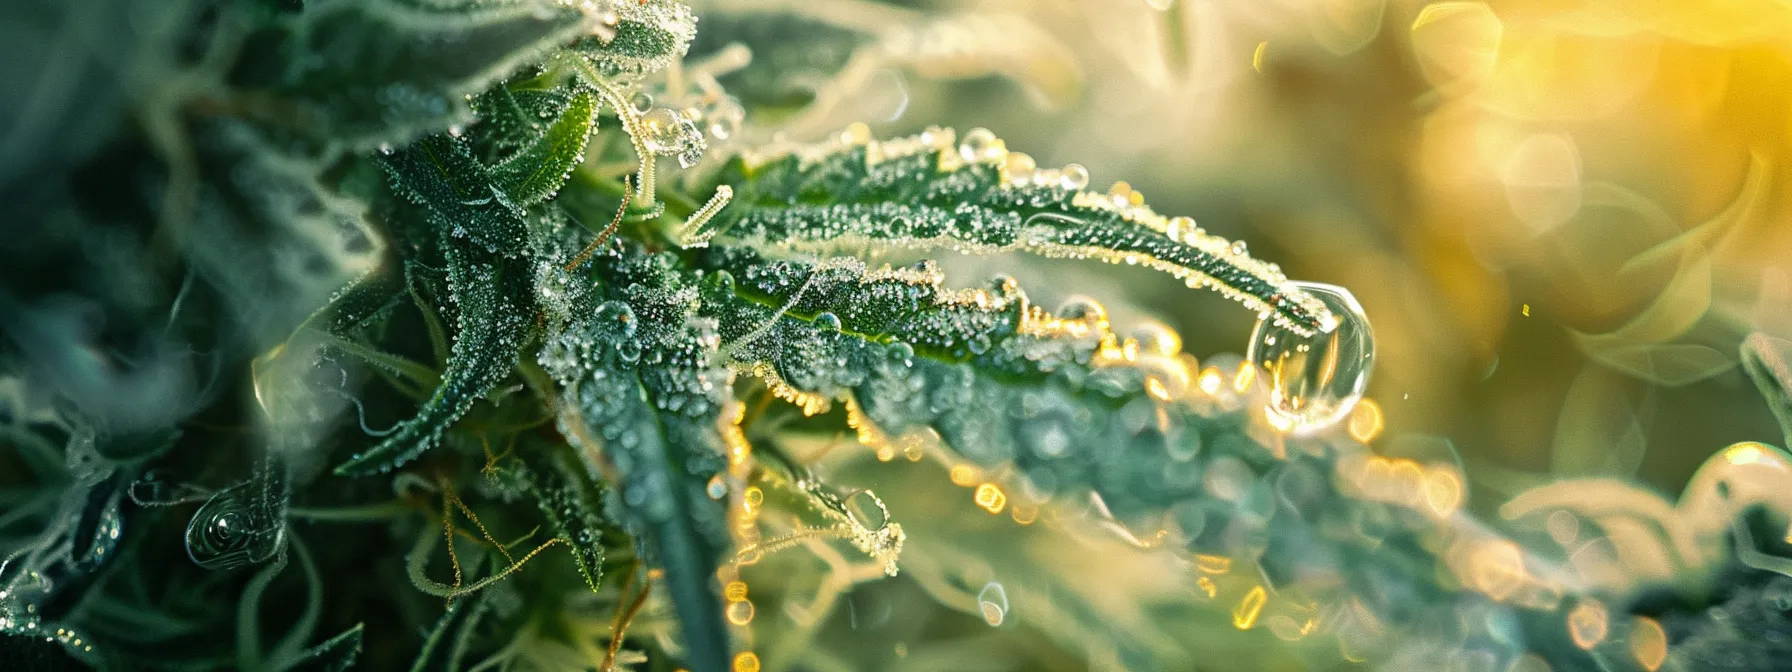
x,y
1768,360
646,36
274,241
359,73
784,75
1600,430
980,44
1709,234
848,59
1679,306
1669,365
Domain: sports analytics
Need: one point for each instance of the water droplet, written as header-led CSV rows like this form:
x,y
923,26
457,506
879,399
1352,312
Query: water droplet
x,y
1239,249
1178,228
1075,177
740,612
993,602
827,322
901,352
666,132
231,530
1588,624
856,133
1315,381
642,101
981,145
725,119
1019,167
629,351
1156,338
867,510
717,488
735,591
1084,309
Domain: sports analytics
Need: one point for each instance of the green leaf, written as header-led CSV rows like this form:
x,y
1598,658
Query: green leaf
x,y
336,654
459,194
493,319
637,384
537,172
370,297
571,497
359,73
998,379
926,193
644,36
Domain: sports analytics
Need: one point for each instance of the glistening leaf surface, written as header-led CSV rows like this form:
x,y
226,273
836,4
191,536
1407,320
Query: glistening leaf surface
x,y
492,319
924,193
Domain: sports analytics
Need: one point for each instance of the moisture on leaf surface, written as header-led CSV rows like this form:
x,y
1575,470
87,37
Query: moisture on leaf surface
x,y
558,335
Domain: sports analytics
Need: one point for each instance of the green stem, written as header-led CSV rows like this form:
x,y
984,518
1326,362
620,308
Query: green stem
x,y
351,514
631,123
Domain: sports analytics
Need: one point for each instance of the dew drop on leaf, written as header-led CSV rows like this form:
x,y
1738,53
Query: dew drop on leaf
x,y
979,145
867,510
668,132
1074,177
993,602
629,351
717,488
1315,381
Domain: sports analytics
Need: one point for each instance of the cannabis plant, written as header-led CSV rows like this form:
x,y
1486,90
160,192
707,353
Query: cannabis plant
x,y
471,334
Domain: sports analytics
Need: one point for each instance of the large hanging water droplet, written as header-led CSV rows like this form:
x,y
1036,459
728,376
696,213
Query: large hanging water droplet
x,y
1315,380
993,602
232,530
667,132
867,510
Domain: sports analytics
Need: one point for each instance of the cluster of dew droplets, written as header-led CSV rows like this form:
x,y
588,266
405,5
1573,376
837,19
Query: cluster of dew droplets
x,y
1018,168
1315,381
19,615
